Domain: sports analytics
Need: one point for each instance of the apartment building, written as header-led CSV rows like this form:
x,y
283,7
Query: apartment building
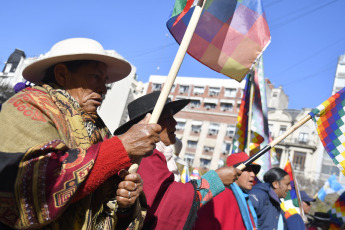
x,y
207,125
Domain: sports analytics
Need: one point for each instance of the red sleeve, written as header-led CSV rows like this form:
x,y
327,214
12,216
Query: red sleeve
x,y
169,202
222,212
111,158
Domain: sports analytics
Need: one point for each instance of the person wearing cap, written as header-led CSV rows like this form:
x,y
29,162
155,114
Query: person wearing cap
x,y
265,198
232,208
170,204
306,201
59,164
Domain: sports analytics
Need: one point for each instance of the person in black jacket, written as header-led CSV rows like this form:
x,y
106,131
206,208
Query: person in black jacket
x,y
265,198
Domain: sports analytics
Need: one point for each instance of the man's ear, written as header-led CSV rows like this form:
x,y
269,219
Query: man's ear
x,y
275,184
60,73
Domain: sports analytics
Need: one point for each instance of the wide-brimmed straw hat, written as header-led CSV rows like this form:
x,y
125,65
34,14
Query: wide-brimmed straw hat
x,y
78,49
237,158
138,109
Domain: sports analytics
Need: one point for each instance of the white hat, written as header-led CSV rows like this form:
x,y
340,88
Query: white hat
x,y
78,49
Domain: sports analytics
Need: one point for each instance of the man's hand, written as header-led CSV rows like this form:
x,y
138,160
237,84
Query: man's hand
x,y
140,139
129,190
228,175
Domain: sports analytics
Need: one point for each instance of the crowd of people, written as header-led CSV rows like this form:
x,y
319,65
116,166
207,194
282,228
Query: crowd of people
x,y
61,168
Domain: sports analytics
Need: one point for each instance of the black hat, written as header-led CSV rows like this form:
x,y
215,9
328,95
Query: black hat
x,y
138,109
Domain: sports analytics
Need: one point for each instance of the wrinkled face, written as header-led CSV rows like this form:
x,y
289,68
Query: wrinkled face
x,y
246,180
86,85
168,123
282,187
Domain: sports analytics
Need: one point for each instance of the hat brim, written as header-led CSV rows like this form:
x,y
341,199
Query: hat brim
x,y
175,106
117,68
256,168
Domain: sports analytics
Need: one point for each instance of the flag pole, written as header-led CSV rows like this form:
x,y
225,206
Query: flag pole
x,y
174,69
250,110
274,142
297,190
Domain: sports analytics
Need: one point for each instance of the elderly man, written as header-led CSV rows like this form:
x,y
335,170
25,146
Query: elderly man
x,y
172,205
59,165
232,208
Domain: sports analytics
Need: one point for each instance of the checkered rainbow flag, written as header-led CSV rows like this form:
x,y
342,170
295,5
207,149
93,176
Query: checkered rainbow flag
x,y
337,212
229,37
330,121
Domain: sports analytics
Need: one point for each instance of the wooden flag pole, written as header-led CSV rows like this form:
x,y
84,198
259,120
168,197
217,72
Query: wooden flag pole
x,y
174,69
274,142
250,110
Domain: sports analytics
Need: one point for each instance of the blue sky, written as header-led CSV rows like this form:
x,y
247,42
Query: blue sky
x,y
307,38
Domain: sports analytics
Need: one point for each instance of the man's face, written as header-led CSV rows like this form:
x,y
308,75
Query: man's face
x,y
306,207
246,180
168,124
282,187
87,85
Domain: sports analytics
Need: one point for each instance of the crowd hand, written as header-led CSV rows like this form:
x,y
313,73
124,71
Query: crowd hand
x,y
129,190
228,175
140,140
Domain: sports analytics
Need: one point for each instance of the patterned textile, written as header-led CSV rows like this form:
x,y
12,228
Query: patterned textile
x,y
229,37
66,143
259,125
329,118
337,212
290,204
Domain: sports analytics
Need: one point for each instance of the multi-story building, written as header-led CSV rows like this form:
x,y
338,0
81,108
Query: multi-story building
x,y
207,125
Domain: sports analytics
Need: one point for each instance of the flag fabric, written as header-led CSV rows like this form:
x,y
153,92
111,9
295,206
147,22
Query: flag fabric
x,y
337,212
195,174
330,186
329,118
259,123
241,132
185,174
229,37
290,204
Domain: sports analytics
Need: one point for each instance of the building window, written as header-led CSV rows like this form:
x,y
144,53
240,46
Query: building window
x,y
278,154
303,137
213,129
226,148
226,106
156,87
230,130
299,160
209,106
180,125
282,130
208,149
205,163
183,89
214,91
192,144
189,158
330,170
198,90
230,92
275,94
195,103
196,128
